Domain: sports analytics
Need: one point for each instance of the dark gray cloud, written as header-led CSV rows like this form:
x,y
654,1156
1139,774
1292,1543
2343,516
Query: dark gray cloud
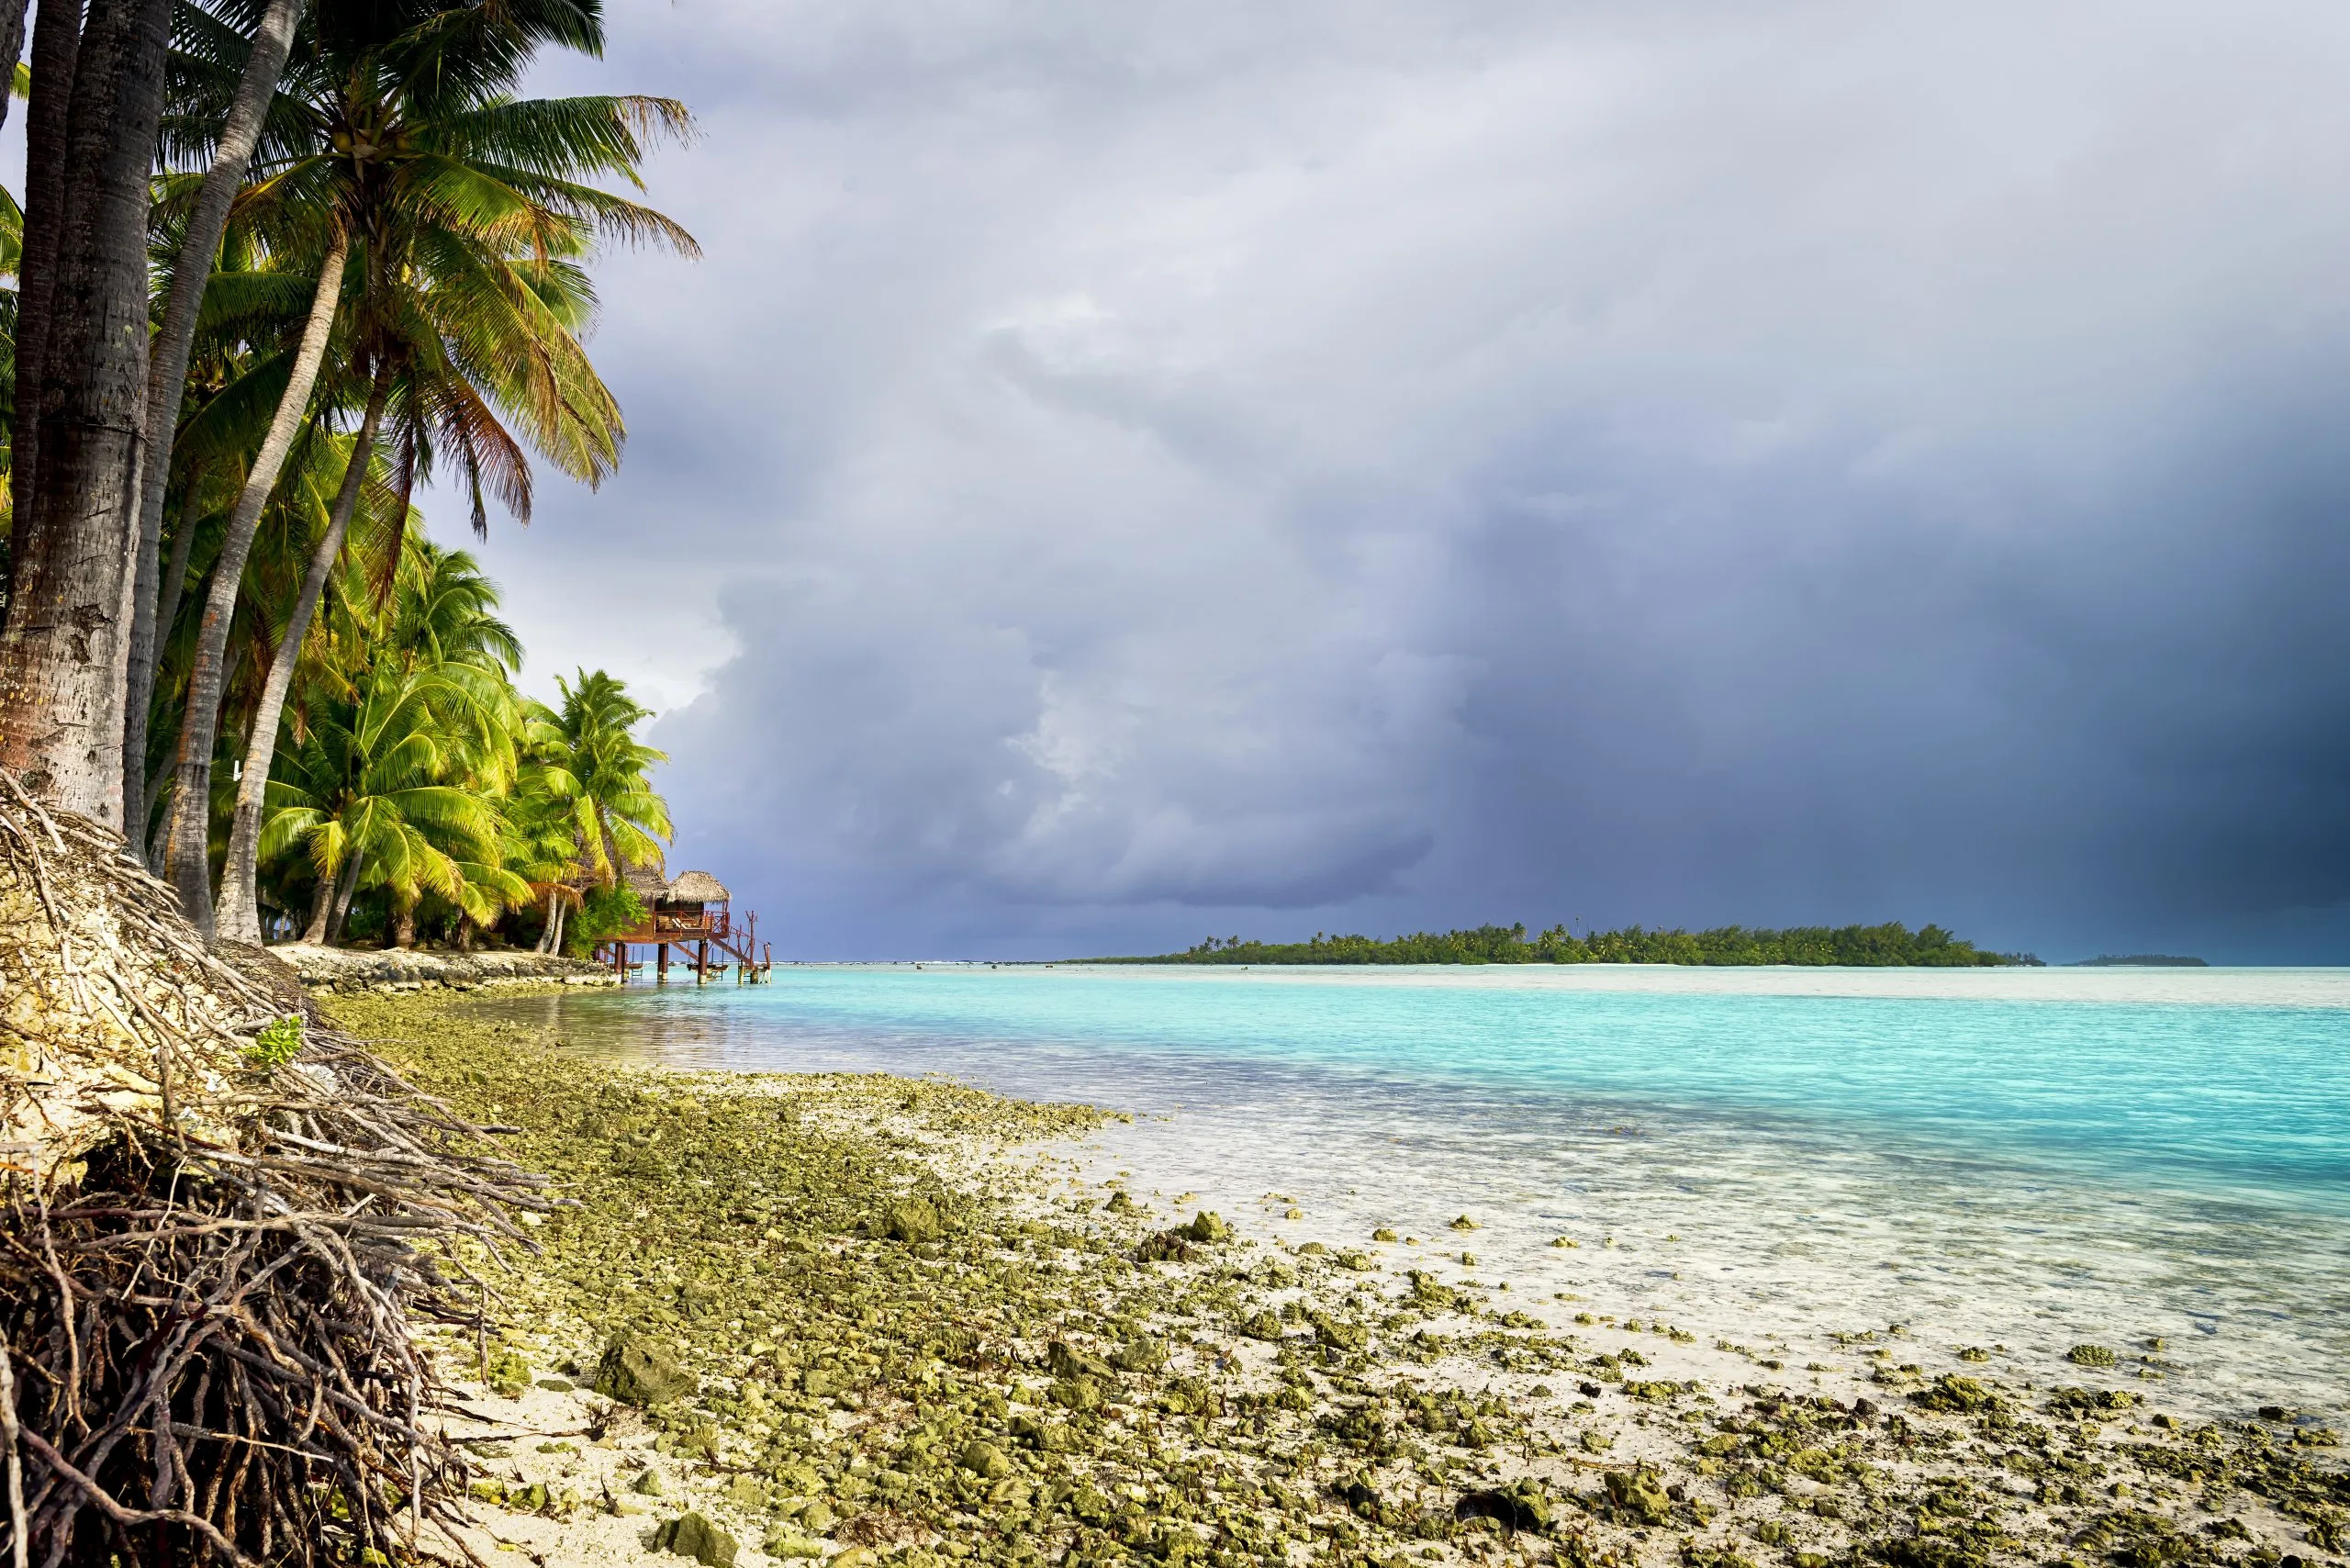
x,y
1123,473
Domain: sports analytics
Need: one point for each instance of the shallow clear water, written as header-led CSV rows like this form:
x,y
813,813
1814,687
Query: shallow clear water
x,y
2021,1158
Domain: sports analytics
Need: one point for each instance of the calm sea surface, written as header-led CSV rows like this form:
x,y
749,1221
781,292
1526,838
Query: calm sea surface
x,y
2024,1159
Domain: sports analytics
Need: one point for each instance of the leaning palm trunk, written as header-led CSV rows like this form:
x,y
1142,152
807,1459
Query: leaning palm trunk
x,y
188,857
62,660
238,915
174,583
321,900
156,827
547,931
167,374
333,895
343,891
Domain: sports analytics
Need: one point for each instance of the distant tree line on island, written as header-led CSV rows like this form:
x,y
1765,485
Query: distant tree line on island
x,y
1874,946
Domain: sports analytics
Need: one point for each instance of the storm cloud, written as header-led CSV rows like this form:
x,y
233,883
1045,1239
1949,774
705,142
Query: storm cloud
x,y
1124,473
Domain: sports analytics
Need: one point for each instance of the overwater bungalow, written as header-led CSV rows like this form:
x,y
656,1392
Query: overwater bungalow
x,y
694,914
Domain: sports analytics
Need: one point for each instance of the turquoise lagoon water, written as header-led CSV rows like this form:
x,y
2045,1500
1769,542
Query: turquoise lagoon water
x,y
2018,1159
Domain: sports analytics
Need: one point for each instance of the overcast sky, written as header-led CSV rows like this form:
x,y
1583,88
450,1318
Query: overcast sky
x,y
1124,473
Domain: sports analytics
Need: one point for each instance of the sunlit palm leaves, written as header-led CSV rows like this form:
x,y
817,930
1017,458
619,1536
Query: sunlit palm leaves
x,y
590,761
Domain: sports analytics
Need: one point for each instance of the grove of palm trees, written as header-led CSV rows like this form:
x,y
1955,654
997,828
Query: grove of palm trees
x,y
283,268
365,267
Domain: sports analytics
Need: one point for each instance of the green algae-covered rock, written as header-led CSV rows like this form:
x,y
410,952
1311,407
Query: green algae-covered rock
x,y
984,1459
510,1375
1207,1228
1522,1505
2089,1355
910,1220
1956,1395
1637,1495
2082,1402
1044,1436
1075,1393
690,1535
1066,1362
1262,1325
1338,1333
634,1372
1140,1355
787,1544
1165,1247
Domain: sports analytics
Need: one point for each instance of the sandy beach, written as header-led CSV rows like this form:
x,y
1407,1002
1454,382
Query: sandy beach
x,y
857,1318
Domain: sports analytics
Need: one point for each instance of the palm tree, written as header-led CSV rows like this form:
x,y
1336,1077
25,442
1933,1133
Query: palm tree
x,y
77,455
543,845
189,862
231,148
375,796
468,211
592,770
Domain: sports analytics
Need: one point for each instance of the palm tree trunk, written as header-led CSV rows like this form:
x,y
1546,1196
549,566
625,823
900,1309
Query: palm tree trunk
x,y
343,890
188,867
167,370
62,660
546,932
403,932
239,916
321,906
174,584
57,40
159,837
155,827
560,911
12,43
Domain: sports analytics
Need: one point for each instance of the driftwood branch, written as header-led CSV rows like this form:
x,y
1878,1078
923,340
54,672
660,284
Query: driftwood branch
x,y
213,1263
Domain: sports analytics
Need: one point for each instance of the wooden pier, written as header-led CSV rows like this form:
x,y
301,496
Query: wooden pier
x,y
692,917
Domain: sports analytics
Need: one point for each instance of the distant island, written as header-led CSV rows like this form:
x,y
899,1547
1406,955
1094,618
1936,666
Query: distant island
x,y
2138,960
1872,947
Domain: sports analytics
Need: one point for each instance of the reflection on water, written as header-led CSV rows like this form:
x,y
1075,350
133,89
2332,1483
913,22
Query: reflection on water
x,y
1789,1152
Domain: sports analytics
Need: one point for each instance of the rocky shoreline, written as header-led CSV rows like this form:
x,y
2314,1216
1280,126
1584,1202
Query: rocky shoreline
x,y
863,1319
329,972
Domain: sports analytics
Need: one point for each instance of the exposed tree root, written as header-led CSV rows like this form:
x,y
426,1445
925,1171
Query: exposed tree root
x,y
220,1221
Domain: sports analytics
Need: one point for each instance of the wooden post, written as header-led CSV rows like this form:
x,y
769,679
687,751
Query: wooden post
x,y
661,964
702,963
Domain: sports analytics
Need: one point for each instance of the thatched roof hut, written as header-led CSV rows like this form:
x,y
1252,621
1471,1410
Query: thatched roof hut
x,y
698,887
647,883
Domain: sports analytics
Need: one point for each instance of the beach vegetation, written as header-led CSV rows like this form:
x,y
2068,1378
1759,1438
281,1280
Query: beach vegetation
x,y
367,256
1875,946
